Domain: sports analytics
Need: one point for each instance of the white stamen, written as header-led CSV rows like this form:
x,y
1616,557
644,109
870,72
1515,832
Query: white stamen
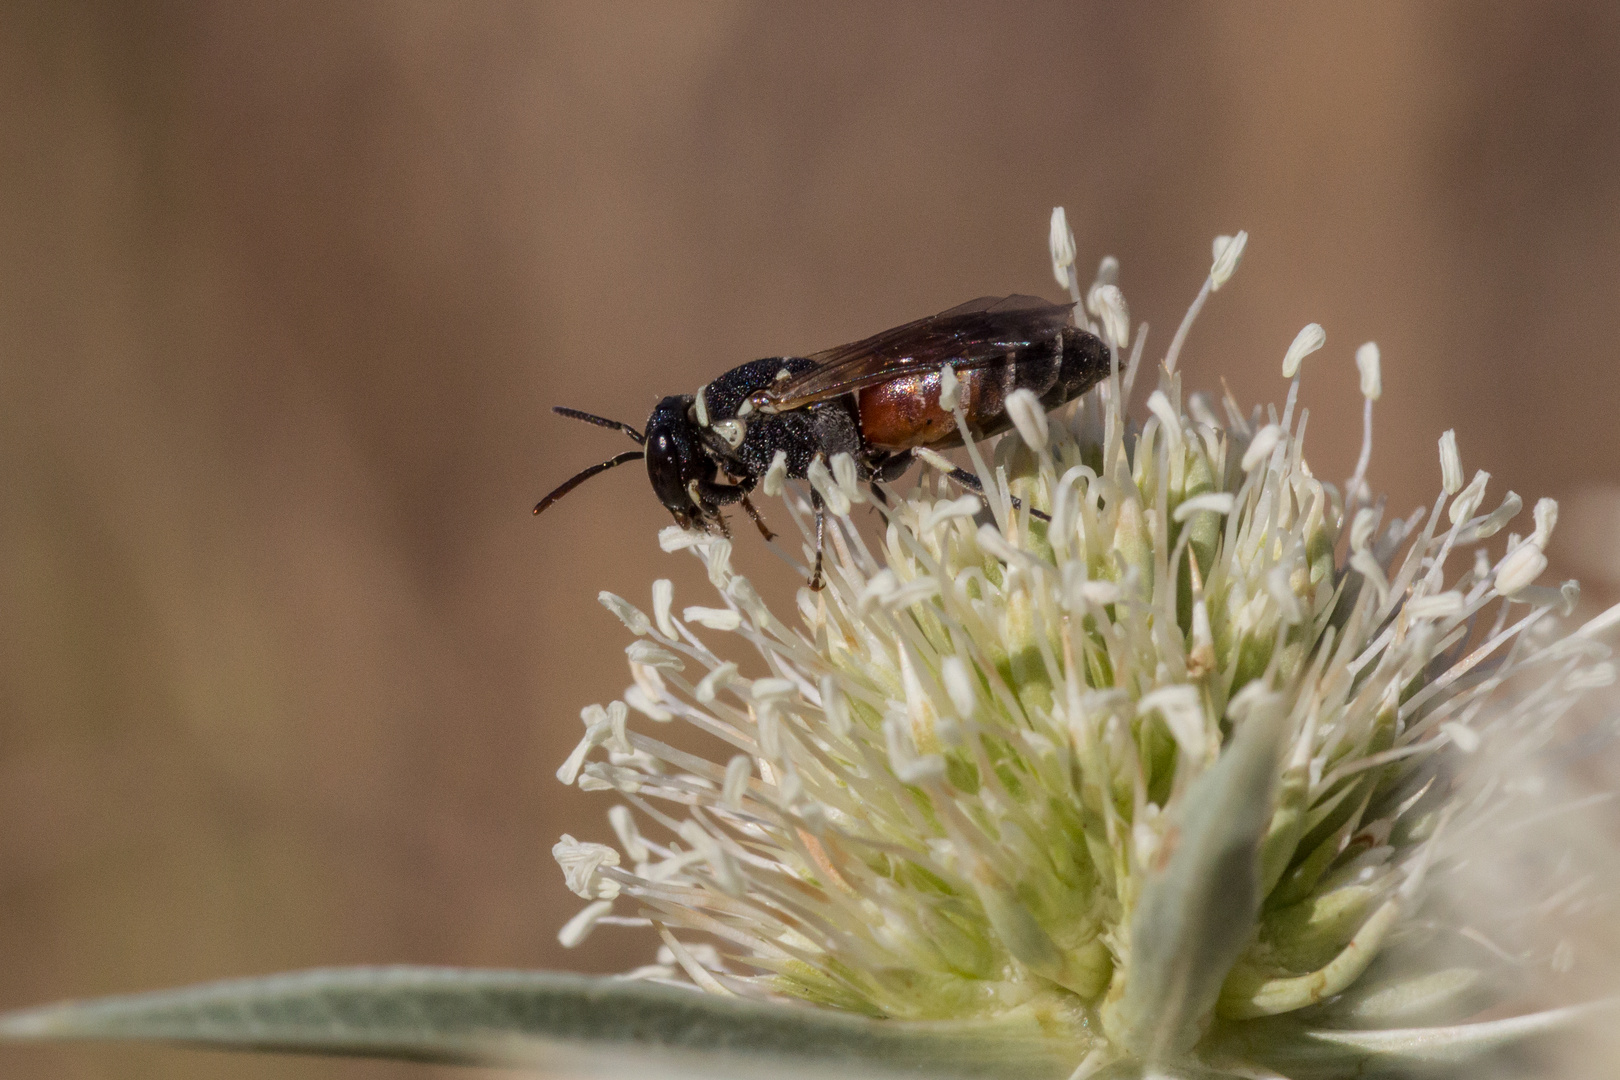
x,y
1227,251
717,557
1361,528
719,860
1220,502
1362,562
1356,490
1444,605
675,538
652,655
825,486
713,618
1368,363
1260,447
1100,593
843,470
965,506
1107,303
1467,501
1546,518
596,732
1451,470
1029,417
739,770
1159,405
628,613
959,686
1287,603
1060,242
624,827
720,677
774,690
1307,341
1492,523
1466,738
1521,568
934,459
637,699
1183,714
577,929
950,389
834,708
663,592
776,474
581,863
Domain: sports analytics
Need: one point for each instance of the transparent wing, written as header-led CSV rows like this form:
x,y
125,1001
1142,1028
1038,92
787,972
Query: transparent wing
x,y
973,335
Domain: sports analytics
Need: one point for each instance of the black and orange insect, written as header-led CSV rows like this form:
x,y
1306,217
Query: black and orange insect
x,y
876,400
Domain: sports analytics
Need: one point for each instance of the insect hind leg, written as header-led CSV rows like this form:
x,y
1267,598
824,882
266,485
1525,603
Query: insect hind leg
x,y
886,470
817,580
971,482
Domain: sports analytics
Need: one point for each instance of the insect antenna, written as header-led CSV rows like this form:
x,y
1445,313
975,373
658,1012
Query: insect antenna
x,y
580,477
601,421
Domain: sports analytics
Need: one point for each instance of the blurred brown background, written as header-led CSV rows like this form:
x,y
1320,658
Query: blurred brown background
x,y
286,291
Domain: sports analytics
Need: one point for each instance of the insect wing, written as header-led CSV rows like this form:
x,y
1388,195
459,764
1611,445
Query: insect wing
x,y
973,335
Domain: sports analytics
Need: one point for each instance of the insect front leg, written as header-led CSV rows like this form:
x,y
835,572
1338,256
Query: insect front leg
x,y
764,529
713,496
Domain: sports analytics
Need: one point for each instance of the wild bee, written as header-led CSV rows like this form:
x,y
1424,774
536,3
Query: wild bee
x,y
876,400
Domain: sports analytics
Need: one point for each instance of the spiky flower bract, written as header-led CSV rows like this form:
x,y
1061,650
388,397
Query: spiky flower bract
x,y
1179,774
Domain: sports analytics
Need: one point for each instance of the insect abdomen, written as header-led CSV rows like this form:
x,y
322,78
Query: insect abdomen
x,y
904,412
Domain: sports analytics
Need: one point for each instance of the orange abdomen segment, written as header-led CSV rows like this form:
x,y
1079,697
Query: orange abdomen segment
x,y
904,413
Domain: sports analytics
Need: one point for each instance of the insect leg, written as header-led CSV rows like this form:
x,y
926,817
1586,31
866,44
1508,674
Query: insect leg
x,y
886,470
971,482
764,529
817,582
722,494
967,480
890,468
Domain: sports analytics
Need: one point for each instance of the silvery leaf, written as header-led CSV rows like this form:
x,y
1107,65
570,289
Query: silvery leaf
x,y
1304,1053
602,1026
1197,915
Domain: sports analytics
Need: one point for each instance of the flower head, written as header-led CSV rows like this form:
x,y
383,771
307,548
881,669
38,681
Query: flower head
x,y
1192,748
1163,757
